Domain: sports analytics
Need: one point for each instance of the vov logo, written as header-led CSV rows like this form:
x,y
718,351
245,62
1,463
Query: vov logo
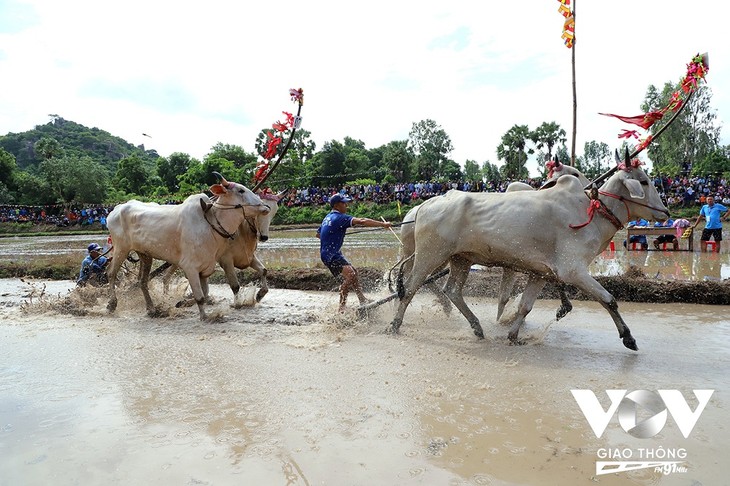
x,y
660,404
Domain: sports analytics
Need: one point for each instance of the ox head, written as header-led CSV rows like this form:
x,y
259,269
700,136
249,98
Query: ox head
x,y
633,185
236,195
557,169
263,222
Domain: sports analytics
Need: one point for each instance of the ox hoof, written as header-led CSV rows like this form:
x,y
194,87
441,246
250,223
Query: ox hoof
x,y
563,311
630,342
111,306
261,293
157,313
392,329
478,332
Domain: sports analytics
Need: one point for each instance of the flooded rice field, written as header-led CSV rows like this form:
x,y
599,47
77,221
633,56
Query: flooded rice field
x,y
290,392
380,249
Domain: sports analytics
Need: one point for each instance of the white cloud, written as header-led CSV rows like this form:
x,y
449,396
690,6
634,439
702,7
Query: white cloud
x,y
193,74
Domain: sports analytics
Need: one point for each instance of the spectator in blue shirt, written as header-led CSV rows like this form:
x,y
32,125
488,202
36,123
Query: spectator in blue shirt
x,y
712,213
640,239
331,234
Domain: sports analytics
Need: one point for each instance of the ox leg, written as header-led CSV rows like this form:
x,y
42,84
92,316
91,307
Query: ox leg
x,y
204,287
441,297
145,265
196,287
529,296
261,269
591,287
414,282
167,277
509,277
232,279
453,290
112,274
565,304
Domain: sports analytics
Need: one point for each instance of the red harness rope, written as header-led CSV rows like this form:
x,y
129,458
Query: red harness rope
x,y
597,206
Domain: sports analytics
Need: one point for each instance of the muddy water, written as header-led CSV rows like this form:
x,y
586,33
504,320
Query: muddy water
x,y
288,392
299,248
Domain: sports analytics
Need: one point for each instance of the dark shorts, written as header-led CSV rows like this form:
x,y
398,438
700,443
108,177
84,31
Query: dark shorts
x,y
335,264
715,233
665,239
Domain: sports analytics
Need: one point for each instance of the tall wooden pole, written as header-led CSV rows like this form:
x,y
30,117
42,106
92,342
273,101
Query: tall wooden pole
x,y
575,98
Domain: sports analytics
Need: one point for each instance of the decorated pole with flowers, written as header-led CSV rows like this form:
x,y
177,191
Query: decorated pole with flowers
x,y
274,139
697,69
568,36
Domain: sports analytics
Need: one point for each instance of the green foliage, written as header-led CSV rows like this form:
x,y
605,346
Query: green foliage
x,y
691,138
70,180
431,146
548,135
398,161
171,168
301,215
131,175
75,141
513,150
596,159
8,169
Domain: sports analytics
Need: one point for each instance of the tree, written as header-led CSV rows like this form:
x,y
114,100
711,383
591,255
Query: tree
x,y
431,146
513,150
594,156
131,175
200,176
68,179
397,160
329,164
236,154
8,168
171,168
548,135
491,172
472,172
48,147
692,137
294,169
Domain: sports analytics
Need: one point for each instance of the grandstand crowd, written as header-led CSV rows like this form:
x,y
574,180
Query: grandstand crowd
x,y
680,191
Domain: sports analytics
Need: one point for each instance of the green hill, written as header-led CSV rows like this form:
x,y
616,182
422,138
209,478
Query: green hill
x,y
76,140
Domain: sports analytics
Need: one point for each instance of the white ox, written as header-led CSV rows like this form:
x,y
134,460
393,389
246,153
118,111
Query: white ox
x,y
241,251
184,235
528,231
509,276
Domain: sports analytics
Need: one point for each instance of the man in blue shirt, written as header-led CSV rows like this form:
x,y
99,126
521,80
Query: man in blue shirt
x,y
94,264
331,234
712,212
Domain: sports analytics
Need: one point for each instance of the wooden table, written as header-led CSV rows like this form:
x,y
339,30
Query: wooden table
x,y
654,231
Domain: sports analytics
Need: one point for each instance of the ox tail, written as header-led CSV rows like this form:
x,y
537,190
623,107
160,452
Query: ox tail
x,y
400,285
390,273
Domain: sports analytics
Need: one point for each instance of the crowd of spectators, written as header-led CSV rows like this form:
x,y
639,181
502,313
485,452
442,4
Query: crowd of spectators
x,y
682,191
59,216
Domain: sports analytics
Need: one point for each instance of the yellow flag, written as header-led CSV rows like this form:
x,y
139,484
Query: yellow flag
x,y
398,203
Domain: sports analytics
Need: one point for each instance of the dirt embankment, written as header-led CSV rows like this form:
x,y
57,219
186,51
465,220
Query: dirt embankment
x,y
633,286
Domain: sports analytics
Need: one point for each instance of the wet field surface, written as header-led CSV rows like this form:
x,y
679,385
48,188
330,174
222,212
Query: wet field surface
x,y
380,249
290,392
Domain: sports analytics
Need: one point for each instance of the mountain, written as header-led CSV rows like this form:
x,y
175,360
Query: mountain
x,y
76,141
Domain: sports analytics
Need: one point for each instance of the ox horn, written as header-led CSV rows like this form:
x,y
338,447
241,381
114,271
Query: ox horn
x,y
222,179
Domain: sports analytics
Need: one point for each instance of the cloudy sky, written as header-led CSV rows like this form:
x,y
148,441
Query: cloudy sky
x,y
192,74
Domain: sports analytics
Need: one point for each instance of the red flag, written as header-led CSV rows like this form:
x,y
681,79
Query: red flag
x,y
644,121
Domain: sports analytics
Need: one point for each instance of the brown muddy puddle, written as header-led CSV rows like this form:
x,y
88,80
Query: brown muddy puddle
x,y
288,392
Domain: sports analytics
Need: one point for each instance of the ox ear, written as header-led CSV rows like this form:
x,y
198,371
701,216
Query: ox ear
x,y
635,189
218,189
205,206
